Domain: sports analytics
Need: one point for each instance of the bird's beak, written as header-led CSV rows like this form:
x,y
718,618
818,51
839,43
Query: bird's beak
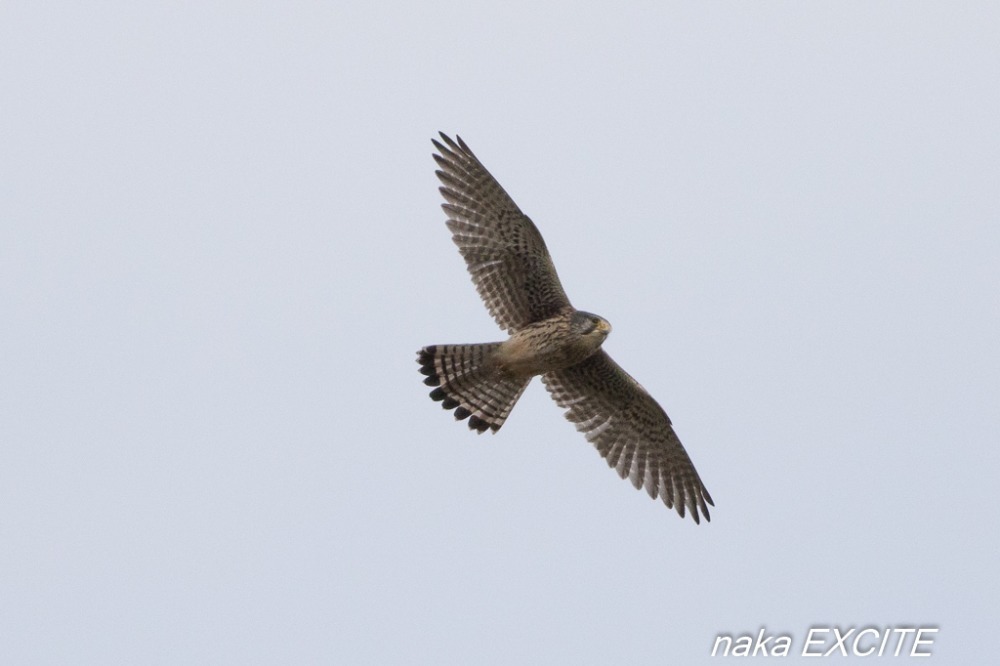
x,y
604,326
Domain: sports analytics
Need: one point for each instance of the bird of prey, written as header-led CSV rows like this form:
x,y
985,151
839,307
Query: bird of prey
x,y
514,274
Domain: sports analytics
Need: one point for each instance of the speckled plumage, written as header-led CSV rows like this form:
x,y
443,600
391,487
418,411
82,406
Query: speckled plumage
x,y
514,274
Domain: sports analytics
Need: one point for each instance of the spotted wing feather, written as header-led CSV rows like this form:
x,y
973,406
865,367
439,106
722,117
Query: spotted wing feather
x,y
504,251
630,430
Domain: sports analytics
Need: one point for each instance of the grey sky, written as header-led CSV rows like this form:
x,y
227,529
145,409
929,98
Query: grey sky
x,y
221,246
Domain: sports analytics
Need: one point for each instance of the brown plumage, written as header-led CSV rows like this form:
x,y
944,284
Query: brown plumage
x,y
514,274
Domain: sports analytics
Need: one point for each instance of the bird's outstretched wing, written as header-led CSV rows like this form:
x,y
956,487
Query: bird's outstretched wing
x,y
504,251
631,431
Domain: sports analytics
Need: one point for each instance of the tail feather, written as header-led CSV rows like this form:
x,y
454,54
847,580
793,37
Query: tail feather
x,y
467,382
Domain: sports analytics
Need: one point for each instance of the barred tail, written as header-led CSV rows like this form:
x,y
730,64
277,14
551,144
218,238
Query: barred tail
x,y
467,382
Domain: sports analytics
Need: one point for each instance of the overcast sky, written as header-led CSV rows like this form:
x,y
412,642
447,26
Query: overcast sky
x,y
221,247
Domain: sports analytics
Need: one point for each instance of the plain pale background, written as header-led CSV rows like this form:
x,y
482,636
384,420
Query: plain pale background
x,y
221,247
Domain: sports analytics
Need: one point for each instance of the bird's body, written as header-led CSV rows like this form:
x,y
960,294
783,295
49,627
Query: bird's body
x,y
551,344
515,276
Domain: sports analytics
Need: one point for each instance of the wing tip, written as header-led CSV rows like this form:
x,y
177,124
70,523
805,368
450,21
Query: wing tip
x,y
456,145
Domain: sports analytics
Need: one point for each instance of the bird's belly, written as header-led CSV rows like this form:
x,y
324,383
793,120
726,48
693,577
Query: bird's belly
x,y
530,353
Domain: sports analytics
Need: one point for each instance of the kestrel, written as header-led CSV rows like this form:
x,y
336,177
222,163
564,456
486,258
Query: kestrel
x,y
515,277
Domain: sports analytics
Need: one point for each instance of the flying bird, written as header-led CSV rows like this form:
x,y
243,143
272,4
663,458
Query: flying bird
x,y
514,274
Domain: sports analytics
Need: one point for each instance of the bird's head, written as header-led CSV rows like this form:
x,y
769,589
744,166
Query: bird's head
x,y
590,325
